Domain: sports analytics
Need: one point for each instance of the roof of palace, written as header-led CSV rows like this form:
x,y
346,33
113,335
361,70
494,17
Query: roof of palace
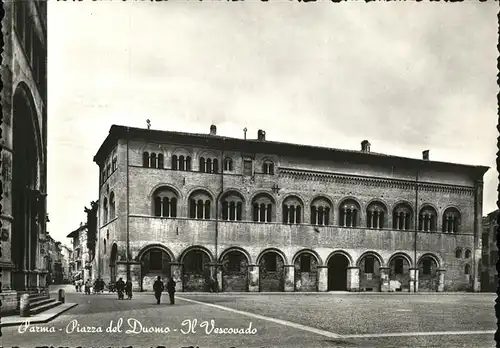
x,y
252,146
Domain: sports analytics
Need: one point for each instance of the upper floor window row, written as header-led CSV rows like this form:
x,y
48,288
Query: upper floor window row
x,y
263,209
209,165
205,165
268,167
109,168
152,160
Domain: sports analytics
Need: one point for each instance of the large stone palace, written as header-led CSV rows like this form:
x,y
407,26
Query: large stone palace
x,y
260,215
23,140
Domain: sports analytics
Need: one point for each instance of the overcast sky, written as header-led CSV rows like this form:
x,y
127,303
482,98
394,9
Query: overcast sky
x,y
406,76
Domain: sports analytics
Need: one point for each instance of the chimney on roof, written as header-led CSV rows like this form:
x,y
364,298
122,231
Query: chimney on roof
x,y
365,146
213,130
261,135
425,155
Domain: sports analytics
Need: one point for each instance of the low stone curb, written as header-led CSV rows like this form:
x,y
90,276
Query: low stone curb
x,y
40,318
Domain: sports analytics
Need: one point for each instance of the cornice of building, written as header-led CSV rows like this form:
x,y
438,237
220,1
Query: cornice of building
x,y
351,179
278,148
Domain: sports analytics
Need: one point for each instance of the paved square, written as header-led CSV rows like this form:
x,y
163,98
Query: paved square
x,y
276,320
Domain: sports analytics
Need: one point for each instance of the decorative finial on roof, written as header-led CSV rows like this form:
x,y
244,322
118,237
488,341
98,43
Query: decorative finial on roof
x,y
148,122
245,132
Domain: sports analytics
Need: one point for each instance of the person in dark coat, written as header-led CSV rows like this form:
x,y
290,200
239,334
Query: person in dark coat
x,y
158,288
120,286
171,290
128,289
87,287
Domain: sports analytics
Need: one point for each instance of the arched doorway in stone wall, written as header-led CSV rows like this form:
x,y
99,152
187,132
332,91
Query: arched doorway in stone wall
x,y
337,272
399,273
234,271
306,271
369,273
271,272
112,263
25,194
196,270
155,262
428,278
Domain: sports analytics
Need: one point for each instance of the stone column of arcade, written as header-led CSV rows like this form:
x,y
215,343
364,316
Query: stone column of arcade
x,y
441,272
323,278
413,279
289,278
384,279
353,279
176,274
253,278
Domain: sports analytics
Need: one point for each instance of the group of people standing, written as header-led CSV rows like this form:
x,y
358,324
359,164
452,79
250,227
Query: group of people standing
x,y
159,287
121,286
125,288
97,287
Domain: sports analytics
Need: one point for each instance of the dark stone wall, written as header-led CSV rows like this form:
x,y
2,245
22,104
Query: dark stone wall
x,y
404,278
369,280
234,280
306,281
196,280
428,282
272,280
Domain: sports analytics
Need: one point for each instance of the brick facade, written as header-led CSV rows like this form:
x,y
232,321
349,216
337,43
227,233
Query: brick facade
x,y
247,224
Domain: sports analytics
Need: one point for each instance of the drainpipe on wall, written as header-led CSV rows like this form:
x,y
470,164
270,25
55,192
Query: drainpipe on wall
x,y
217,217
128,239
415,221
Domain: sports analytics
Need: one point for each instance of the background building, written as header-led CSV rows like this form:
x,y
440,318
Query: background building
x,y
52,253
81,258
489,256
259,215
24,149
67,256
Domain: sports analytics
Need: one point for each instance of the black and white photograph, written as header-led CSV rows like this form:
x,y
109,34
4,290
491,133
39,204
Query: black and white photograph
x,y
249,174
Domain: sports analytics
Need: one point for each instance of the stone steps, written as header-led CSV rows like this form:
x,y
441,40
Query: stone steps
x,y
44,306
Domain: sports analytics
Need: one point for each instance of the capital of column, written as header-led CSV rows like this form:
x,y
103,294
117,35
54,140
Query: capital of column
x,y
353,267
175,264
441,270
322,266
288,265
384,268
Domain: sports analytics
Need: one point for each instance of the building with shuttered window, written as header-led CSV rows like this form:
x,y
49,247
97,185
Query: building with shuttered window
x,y
260,215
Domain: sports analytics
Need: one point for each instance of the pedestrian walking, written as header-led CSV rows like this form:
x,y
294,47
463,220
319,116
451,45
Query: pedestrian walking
x,y
128,289
101,285
171,290
87,287
120,286
158,288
